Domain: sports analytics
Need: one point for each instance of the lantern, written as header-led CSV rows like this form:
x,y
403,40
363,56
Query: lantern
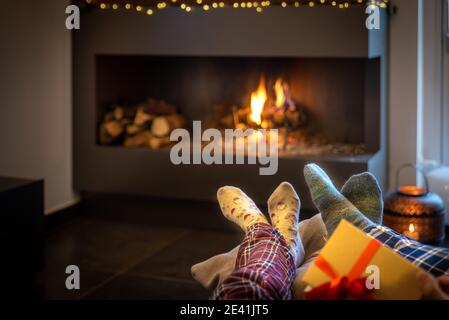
x,y
415,211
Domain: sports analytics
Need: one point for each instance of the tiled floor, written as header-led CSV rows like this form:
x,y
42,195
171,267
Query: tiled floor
x,y
140,253
130,247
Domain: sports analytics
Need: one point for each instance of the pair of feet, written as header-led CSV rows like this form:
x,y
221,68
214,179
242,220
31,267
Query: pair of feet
x,y
359,202
283,207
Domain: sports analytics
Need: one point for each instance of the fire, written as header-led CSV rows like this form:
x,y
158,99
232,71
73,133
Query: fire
x,y
258,99
411,228
280,93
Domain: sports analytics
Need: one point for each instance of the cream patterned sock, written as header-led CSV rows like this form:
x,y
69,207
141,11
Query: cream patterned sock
x,y
283,206
239,208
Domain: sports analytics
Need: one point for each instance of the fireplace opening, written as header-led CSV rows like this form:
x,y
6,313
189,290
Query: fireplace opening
x,y
320,106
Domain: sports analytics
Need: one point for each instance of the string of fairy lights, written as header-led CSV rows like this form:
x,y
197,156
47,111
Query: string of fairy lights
x,y
150,7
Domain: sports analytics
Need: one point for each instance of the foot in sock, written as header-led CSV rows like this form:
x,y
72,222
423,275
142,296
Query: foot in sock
x,y
239,208
283,206
363,191
330,202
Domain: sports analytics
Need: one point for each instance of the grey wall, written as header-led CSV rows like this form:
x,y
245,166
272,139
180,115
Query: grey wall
x,y
403,99
446,85
35,91
432,84
416,99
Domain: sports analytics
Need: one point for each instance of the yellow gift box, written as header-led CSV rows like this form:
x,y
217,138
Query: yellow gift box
x,y
352,259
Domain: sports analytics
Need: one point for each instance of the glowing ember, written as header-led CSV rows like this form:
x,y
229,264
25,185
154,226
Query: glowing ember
x,y
258,99
279,88
411,228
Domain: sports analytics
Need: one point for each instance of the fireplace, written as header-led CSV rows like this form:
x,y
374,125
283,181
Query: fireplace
x,y
129,96
316,103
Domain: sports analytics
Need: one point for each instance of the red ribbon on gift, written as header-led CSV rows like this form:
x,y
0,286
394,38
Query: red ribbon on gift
x,y
344,287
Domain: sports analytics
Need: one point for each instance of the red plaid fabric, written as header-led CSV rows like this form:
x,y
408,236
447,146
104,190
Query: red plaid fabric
x,y
264,269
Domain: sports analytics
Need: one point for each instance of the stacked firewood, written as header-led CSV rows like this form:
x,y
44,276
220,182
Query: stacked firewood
x,y
146,125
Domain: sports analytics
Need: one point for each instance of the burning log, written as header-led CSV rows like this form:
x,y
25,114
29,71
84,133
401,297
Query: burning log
x,y
228,121
268,111
293,118
241,126
235,117
242,114
279,117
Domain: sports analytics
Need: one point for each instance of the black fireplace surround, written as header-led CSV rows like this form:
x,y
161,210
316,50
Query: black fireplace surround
x,y
343,96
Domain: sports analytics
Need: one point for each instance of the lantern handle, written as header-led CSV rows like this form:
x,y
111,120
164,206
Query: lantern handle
x,y
411,165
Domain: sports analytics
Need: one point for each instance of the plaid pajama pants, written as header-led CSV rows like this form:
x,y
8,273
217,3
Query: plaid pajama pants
x,y
434,260
264,269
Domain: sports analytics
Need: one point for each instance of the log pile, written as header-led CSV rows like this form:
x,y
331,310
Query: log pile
x,y
146,125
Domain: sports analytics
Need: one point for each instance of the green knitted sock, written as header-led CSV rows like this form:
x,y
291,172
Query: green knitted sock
x,y
330,202
364,193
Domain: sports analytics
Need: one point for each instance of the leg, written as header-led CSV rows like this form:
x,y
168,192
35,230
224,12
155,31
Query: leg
x,y
431,259
362,190
283,206
365,194
264,269
265,265
334,206
239,208
330,202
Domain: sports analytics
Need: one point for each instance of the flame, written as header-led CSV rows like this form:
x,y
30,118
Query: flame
x,y
258,99
280,94
411,228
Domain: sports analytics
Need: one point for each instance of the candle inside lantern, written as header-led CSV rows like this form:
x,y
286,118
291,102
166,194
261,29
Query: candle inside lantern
x,y
415,211
411,232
